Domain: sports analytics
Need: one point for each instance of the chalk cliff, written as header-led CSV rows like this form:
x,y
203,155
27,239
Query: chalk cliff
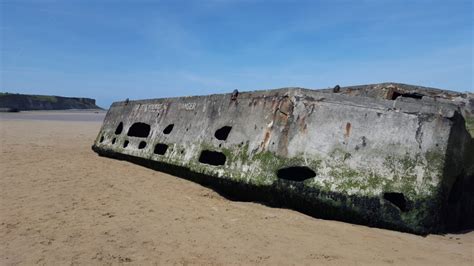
x,y
24,102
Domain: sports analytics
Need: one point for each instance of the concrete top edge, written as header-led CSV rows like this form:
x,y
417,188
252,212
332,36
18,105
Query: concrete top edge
x,y
410,87
364,86
327,95
268,92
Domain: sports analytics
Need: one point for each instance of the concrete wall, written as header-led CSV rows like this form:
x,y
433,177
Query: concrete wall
x,y
465,101
373,161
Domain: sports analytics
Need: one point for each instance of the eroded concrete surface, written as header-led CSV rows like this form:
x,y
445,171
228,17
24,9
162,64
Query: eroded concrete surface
x,y
358,155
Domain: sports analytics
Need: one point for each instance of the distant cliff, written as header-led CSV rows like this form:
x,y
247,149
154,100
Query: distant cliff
x,y
25,102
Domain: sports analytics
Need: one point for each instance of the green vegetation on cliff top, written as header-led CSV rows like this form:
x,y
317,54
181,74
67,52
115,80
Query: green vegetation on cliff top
x,y
44,102
45,98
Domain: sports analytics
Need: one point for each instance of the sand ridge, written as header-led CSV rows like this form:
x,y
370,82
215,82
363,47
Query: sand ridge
x,y
60,203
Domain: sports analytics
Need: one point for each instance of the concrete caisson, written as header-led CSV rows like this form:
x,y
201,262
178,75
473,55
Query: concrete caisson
x,y
405,163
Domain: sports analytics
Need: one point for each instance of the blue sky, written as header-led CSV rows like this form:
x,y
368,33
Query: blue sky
x,y
112,50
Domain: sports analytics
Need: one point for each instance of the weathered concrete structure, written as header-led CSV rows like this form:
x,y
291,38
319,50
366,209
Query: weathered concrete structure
x,y
405,164
392,91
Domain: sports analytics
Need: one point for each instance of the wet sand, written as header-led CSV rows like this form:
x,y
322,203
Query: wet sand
x,y
72,115
60,204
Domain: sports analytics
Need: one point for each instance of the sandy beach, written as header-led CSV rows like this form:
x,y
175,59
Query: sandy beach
x,y
61,203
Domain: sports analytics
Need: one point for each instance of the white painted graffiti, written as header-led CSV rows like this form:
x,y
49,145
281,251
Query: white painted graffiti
x,y
157,107
153,107
189,106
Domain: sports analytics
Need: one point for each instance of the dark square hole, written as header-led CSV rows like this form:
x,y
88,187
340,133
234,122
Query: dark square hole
x,y
212,157
160,149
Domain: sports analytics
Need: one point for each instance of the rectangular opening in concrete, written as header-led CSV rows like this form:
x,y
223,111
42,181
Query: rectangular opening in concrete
x,y
168,129
397,199
415,95
142,145
160,149
212,157
296,173
139,129
222,133
119,129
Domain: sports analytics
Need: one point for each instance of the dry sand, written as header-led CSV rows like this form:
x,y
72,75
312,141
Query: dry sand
x,y
63,204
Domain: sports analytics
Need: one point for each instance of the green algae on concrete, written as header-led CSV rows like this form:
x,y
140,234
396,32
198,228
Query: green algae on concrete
x,y
379,162
470,125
